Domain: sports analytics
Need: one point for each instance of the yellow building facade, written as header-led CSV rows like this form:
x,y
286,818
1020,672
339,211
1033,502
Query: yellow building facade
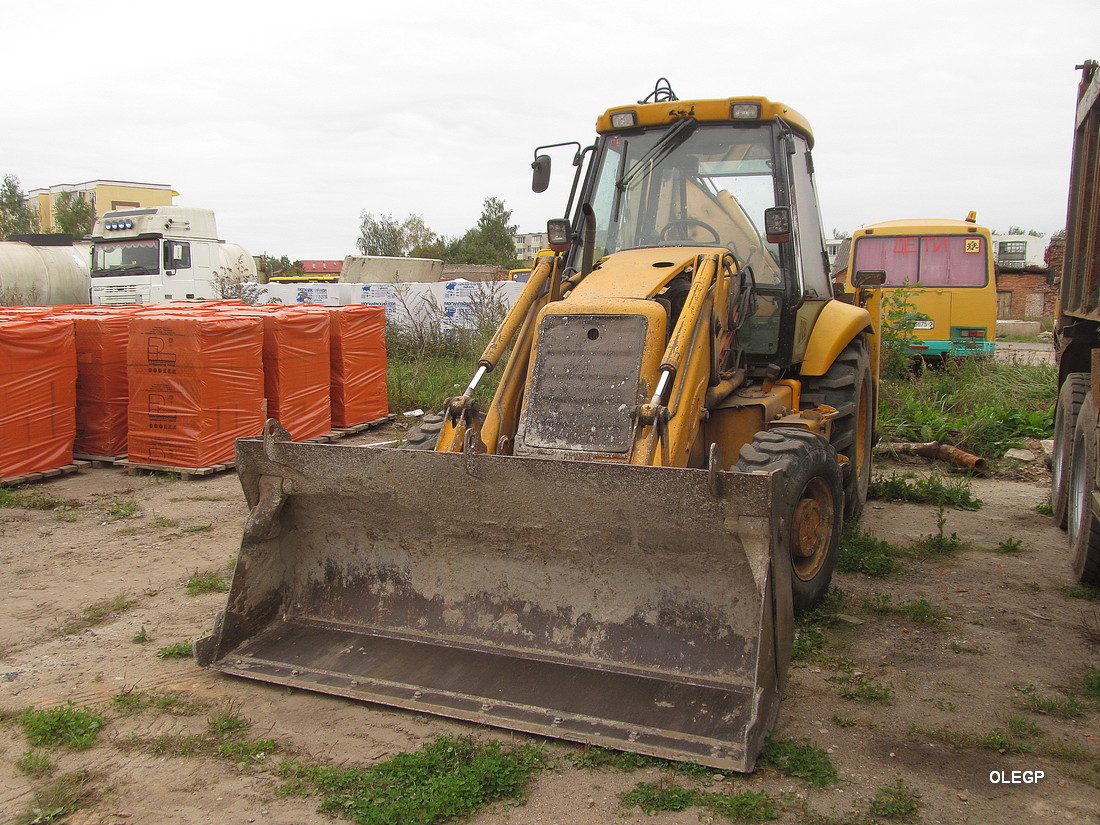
x,y
105,196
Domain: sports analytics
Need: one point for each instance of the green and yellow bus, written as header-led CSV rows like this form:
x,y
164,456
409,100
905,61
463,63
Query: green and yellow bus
x,y
946,268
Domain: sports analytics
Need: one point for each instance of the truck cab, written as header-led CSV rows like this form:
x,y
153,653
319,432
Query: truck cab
x,y
161,253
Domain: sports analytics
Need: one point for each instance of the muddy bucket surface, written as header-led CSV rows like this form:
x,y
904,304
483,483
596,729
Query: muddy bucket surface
x,y
631,607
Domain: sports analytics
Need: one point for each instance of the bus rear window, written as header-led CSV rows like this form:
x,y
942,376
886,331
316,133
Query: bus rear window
x,y
951,260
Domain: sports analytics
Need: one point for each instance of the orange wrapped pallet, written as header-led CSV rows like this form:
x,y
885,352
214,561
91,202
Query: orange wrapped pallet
x,y
196,385
358,347
296,367
102,395
37,393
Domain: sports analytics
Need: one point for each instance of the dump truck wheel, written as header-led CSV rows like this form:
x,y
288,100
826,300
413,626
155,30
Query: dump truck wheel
x,y
425,436
1070,398
1084,528
812,504
848,387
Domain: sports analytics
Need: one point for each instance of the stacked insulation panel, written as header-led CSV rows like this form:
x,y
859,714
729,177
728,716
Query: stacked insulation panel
x,y
37,392
196,384
102,394
358,348
296,367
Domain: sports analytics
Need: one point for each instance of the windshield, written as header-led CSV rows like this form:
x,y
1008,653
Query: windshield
x,y
131,257
942,260
705,185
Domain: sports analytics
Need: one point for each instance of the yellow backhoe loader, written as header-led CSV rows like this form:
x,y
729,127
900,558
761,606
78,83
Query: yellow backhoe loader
x,y
611,547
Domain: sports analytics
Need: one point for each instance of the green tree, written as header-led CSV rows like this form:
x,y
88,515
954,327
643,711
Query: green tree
x,y
17,216
384,235
279,265
490,242
74,214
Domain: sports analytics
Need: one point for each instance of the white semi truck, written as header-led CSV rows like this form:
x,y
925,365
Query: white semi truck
x,y
162,253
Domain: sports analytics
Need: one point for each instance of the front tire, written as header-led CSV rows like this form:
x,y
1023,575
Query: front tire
x,y
848,387
425,436
812,506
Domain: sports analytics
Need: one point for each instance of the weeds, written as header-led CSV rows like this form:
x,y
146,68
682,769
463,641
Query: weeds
x,y
448,778
1043,508
224,737
937,544
1009,547
931,489
809,640
208,583
960,647
133,701
654,797
1090,682
799,759
180,650
1062,707
860,552
844,722
59,799
199,528
34,500
917,611
34,764
67,726
894,802
981,406
1081,591
141,637
159,522
864,689
597,758
98,613
119,509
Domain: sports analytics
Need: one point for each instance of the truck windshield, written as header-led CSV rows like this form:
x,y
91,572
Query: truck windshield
x,y
925,260
676,186
130,257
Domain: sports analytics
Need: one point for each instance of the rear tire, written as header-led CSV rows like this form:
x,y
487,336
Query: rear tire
x,y
1084,527
425,436
812,507
1070,398
848,387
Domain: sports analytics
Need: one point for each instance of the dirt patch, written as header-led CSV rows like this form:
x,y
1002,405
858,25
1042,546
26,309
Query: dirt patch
x,y
81,583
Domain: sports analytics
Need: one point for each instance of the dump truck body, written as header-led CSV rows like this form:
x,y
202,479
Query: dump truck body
x,y
1075,491
612,548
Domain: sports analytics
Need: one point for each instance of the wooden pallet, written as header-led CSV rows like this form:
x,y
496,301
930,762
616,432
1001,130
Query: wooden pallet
x,y
185,473
26,478
100,460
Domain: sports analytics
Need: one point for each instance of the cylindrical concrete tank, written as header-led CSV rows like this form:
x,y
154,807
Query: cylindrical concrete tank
x,y
238,260
44,275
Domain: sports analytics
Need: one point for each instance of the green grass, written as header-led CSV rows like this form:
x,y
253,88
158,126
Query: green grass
x,y
133,701
225,737
979,405
800,759
951,491
1057,705
1090,682
162,521
1043,508
1081,591
860,552
1010,547
896,803
34,500
864,689
34,764
208,583
58,799
118,509
180,650
917,611
199,528
98,613
67,726
656,797
448,778
809,640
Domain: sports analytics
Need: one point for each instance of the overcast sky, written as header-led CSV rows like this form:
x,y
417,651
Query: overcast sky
x,y
290,120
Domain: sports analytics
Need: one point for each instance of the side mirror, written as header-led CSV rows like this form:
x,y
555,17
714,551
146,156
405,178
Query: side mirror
x,y
868,277
777,224
540,179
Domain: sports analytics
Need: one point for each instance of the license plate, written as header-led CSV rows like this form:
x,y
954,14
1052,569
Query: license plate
x,y
923,325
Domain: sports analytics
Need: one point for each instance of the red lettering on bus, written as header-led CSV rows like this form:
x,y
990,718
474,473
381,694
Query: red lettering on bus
x,y
935,244
904,245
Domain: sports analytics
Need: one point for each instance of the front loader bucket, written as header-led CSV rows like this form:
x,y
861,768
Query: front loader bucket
x,y
640,608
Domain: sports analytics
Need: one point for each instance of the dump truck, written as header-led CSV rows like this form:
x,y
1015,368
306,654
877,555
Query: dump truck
x,y
608,547
1075,490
